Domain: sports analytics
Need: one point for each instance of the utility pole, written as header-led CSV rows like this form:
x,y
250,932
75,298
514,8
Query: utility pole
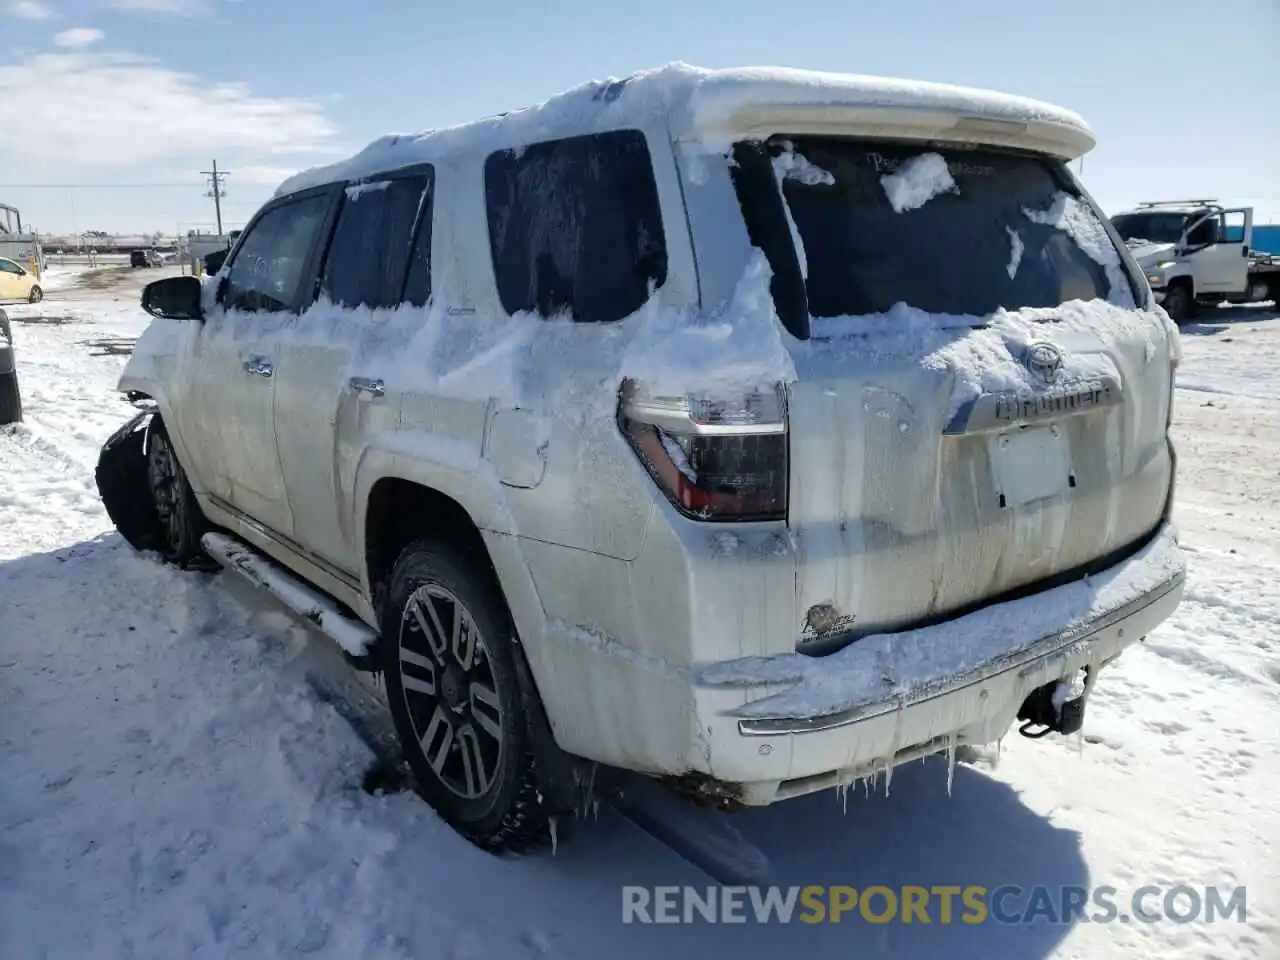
x,y
215,190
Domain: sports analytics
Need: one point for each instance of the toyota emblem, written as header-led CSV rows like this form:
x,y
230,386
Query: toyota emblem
x,y
1045,361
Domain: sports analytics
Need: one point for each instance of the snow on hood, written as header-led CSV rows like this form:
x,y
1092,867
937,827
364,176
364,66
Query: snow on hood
x,y
692,98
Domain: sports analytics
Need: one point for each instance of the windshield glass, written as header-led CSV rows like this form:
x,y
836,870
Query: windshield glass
x,y
868,225
1156,227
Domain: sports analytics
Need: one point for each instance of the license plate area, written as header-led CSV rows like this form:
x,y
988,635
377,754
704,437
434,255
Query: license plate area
x,y
1030,464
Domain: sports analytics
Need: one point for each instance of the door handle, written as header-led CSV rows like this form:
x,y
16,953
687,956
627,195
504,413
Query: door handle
x,y
260,366
373,388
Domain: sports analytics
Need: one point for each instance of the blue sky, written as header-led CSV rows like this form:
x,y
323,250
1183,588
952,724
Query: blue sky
x,y
124,92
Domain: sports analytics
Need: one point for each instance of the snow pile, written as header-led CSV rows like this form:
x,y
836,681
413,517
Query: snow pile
x,y
520,360
356,191
742,349
885,666
1016,250
789,165
918,181
1074,218
987,355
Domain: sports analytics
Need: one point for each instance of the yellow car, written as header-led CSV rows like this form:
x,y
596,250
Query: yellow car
x,y
16,283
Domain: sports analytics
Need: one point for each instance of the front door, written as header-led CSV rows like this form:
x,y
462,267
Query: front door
x,y
12,283
237,353
330,396
1217,247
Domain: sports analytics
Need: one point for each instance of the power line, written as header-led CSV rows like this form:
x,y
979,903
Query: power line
x,y
93,186
216,191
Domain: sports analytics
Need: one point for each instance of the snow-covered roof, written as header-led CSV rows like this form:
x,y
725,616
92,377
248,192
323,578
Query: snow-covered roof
x,y
741,101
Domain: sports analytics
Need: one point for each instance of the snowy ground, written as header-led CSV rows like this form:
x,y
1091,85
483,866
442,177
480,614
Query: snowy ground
x,y
172,786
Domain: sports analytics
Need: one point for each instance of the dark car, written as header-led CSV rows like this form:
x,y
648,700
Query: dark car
x,y
10,398
143,258
214,261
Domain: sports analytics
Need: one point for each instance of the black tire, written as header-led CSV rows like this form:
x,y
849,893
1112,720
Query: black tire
x,y
1179,304
484,780
10,398
179,521
121,476
36,295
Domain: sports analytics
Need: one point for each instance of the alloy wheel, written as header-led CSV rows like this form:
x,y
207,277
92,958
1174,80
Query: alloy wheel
x,y
450,691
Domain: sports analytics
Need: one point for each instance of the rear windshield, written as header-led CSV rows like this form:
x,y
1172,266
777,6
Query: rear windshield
x,y
868,225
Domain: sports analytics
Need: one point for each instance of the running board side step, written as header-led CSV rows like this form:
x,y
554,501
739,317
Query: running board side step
x,y
354,636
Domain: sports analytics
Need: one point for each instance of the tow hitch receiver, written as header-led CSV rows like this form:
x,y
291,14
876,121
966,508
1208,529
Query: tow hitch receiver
x,y
1057,707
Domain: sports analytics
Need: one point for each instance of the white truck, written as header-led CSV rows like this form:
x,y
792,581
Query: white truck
x,y
1198,252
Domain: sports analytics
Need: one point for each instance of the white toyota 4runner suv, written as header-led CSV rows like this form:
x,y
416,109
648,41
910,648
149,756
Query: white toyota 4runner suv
x,y
755,430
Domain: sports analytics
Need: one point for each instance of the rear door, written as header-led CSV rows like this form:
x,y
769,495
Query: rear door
x,y
980,405
328,398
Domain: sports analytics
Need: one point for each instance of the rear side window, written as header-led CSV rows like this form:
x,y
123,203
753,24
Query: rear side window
x,y
575,227
374,241
961,232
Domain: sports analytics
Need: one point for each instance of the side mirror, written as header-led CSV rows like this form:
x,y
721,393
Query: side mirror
x,y
174,298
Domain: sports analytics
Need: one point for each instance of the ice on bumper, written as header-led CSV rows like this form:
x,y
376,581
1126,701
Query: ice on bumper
x,y
898,668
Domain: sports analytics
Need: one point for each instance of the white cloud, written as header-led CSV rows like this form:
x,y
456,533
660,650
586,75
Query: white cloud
x,y
177,8
30,10
106,110
78,37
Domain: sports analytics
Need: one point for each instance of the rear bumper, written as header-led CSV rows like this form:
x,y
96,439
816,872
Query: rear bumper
x,y
786,725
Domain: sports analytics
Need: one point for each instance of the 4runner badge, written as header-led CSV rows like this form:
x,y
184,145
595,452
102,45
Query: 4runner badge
x,y
1045,361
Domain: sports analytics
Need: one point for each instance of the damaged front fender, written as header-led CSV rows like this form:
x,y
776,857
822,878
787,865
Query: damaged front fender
x,y
121,476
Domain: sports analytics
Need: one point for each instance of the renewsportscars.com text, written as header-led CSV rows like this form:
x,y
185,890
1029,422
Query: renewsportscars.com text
x,y
937,904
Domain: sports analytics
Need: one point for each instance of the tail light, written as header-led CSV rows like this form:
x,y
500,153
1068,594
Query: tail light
x,y
714,459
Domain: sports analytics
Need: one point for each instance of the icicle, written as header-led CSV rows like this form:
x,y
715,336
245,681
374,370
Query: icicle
x,y
888,775
555,839
999,748
951,761
1090,678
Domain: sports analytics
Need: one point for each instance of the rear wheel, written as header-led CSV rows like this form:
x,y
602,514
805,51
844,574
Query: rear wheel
x,y
10,398
460,703
36,295
1179,303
